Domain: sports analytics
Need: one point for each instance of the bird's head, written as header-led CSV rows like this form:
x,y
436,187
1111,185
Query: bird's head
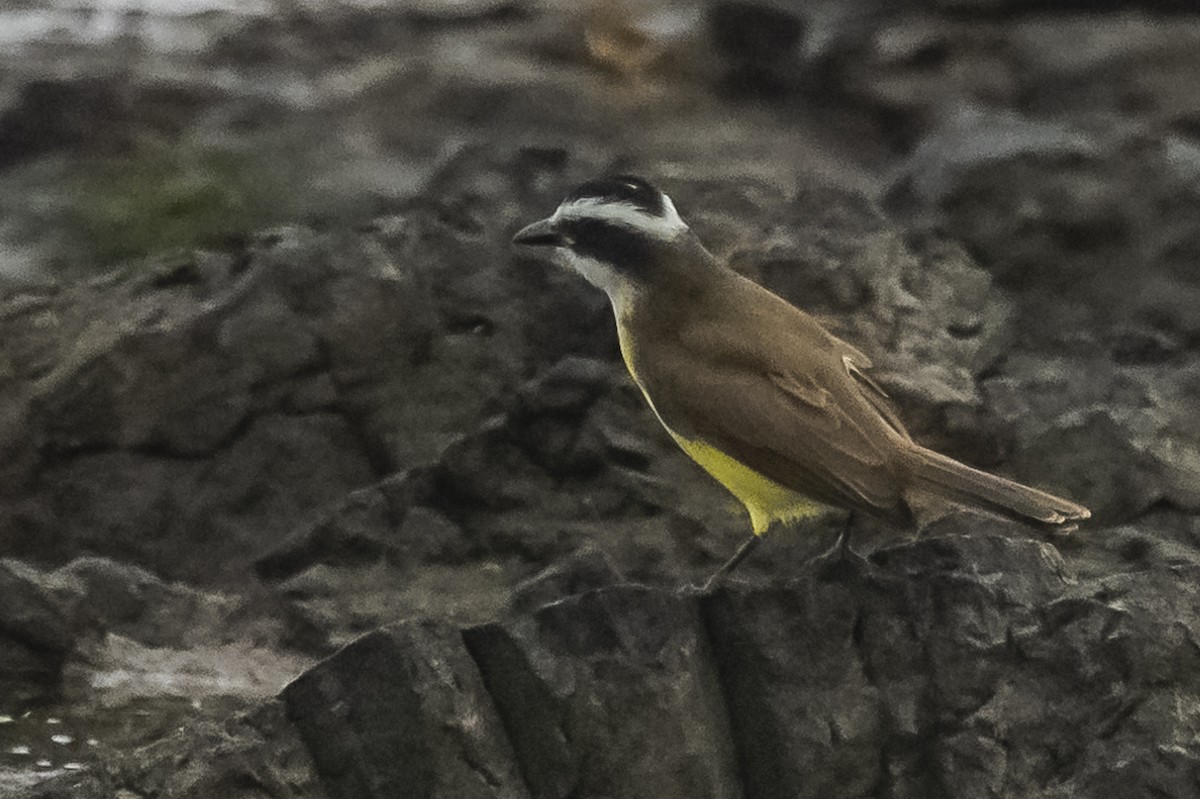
x,y
613,231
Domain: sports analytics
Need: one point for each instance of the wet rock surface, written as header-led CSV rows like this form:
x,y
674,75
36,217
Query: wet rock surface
x,y
252,754
274,387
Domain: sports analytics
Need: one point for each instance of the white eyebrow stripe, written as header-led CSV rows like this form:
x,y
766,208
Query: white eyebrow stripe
x,y
667,226
669,210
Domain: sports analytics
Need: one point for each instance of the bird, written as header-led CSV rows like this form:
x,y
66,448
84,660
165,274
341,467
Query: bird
x,y
776,408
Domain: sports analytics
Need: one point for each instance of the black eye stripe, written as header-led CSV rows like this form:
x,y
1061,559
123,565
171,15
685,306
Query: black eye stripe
x,y
624,248
622,189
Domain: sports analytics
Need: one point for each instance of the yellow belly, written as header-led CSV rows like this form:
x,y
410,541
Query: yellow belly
x,y
766,500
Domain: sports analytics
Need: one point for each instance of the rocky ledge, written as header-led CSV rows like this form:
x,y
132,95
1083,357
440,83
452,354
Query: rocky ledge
x,y
953,666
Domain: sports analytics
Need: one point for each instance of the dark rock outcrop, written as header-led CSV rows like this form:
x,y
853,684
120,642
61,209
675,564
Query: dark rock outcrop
x,y
1086,229
959,665
403,712
35,633
954,666
204,408
610,693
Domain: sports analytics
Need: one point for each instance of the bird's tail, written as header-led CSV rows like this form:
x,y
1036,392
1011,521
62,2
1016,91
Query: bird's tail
x,y
948,479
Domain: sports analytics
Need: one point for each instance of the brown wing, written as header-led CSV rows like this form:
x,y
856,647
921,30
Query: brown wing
x,y
783,399
856,363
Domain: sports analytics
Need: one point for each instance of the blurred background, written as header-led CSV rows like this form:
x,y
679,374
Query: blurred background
x,y
137,127
271,375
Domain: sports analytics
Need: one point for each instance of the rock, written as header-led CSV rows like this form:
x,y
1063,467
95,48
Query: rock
x,y
561,455
912,67
380,554
251,755
568,387
808,719
67,785
256,754
105,596
1094,392
457,12
430,533
1062,214
50,115
610,693
948,670
403,711
100,112
1005,8
324,608
216,455
760,43
1078,198
961,664
354,358
35,633
362,528
1121,459
585,570
278,470
971,137
95,611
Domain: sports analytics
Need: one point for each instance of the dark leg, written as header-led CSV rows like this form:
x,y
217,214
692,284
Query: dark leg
x,y
840,560
731,564
842,547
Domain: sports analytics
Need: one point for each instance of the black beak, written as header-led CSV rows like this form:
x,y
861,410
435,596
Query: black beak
x,y
540,234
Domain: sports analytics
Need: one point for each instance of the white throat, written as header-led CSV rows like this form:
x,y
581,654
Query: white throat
x,y
598,273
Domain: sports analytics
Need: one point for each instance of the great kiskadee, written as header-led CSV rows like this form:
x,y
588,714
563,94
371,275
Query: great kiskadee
x,y
772,405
